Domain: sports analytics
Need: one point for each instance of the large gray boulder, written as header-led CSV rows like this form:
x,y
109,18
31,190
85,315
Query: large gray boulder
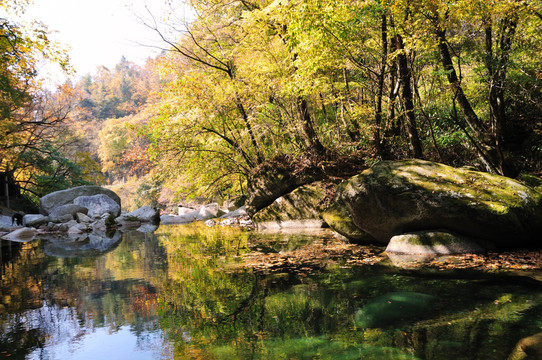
x,y
62,197
98,205
396,197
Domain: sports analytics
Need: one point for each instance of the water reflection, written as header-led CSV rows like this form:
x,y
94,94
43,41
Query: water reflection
x,y
77,307
175,294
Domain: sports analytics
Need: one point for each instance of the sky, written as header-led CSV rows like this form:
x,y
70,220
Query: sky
x,y
100,32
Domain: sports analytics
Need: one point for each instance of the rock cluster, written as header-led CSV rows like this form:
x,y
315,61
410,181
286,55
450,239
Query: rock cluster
x,y
83,214
212,214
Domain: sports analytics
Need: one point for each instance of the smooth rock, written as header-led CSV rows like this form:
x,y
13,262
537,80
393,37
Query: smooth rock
x,y
339,219
209,211
185,219
528,348
240,212
184,210
5,220
78,229
433,243
63,219
99,225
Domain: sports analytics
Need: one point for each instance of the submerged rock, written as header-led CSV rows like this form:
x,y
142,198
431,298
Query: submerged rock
x,y
390,308
397,197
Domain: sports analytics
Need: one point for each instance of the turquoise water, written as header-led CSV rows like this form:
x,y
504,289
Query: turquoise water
x,y
183,293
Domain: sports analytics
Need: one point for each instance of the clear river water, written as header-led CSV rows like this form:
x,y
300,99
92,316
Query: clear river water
x,y
183,293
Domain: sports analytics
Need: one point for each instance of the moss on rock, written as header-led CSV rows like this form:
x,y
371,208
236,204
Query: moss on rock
x,y
396,197
338,218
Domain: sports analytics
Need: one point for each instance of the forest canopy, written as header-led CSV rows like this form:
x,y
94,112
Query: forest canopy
x,y
247,85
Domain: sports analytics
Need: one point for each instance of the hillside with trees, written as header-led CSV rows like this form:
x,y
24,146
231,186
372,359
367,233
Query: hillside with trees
x,y
302,90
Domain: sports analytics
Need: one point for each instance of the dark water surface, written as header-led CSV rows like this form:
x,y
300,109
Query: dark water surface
x,y
178,294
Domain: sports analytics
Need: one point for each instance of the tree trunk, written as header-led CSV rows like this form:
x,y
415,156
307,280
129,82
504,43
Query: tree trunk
x,y
309,134
446,60
380,90
248,125
408,100
497,71
481,141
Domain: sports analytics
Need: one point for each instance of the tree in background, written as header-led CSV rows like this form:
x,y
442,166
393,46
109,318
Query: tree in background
x,y
250,83
31,118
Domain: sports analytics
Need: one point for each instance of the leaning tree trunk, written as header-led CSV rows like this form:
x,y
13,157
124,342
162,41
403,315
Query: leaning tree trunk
x,y
482,142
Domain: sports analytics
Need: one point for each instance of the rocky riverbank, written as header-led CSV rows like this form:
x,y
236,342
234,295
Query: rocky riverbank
x,y
77,213
413,207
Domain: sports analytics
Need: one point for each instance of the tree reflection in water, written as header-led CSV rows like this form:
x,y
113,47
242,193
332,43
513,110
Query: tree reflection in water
x,y
179,294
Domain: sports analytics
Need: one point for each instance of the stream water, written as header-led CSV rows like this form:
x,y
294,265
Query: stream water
x,y
181,293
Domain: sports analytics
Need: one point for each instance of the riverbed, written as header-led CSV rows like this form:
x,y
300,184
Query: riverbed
x,y
192,292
